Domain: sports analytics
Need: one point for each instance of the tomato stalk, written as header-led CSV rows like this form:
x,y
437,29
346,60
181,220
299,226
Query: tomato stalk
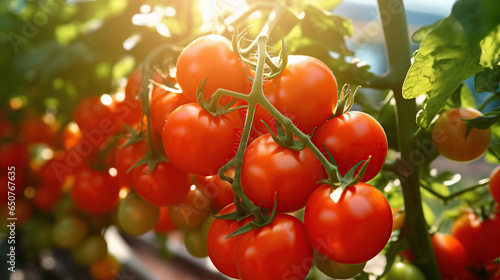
x,y
399,59
446,198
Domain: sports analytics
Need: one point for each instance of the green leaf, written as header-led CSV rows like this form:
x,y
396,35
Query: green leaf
x,y
467,97
478,18
326,29
490,47
487,80
441,64
326,4
420,34
484,121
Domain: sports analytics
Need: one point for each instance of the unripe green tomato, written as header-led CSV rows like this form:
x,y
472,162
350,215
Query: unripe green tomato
x,y
136,216
205,227
335,269
69,232
404,270
94,248
195,243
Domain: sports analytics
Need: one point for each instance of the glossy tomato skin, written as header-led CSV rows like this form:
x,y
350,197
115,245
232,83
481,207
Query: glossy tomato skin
x,y
494,185
165,224
269,168
126,157
92,116
450,255
479,238
448,135
404,270
335,269
13,154
95,191
306,91
136,216
222,251
352,137
210,56
191,211
129,110
199,143
165,185
36,130
163,103
280,250
216,189
352,230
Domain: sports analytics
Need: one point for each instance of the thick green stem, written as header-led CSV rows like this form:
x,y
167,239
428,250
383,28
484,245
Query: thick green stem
x,y
394,24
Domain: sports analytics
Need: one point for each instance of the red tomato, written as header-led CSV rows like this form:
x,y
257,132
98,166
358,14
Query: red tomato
x,y
92,116
448,135
129,110
494,185
269,168
351,138
306,91
218,190
280,250
352,230
50,175
126,157
165,185
479,238
95,191
36,130
222,250
165,224
450,255
46,197
163,103
13,154
199,143
71,135
210,56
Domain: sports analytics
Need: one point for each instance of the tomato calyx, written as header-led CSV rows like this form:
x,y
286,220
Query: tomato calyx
x,y
285,137
256,223
212,105
339,182
346,100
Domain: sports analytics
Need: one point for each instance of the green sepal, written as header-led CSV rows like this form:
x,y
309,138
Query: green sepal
x,y
346,100
134,137
484,121
283,138
151,160
255,224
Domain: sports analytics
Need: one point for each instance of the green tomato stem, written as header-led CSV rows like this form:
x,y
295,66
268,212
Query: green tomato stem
x,y
399,60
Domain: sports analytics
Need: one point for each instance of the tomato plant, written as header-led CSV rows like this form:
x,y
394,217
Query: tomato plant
x,y
352,229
